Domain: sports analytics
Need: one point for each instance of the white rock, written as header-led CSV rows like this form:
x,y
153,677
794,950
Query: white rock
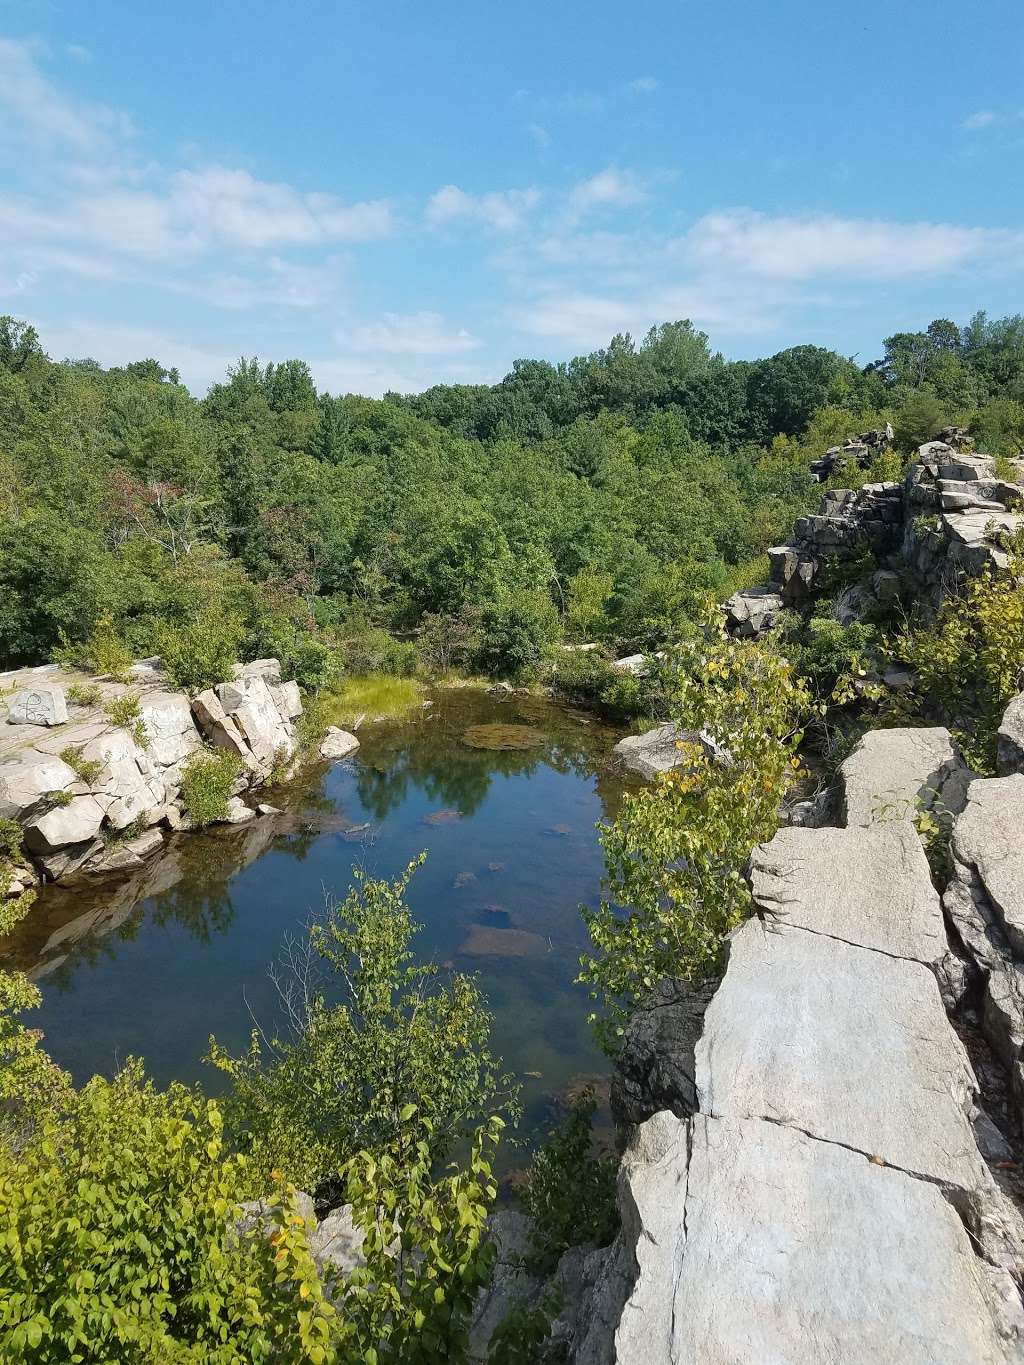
x,y
238,813
41,705
656,751
1010,755
25,783
756,1244
337,743
287,699
74,823
172,733
893,773
871,887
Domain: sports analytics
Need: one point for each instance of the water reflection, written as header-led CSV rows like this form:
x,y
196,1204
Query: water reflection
x,y
155,961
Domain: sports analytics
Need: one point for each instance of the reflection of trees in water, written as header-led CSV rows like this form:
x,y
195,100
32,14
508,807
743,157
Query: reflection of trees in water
x,y
429,754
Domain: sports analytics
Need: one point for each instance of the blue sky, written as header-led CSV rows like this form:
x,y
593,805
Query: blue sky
x,y
403,193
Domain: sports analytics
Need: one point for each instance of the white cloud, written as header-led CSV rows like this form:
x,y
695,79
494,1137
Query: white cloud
x,y
805,246
643,85
975,122
234,207
610,188
33,107
423,333
502,210
77,52
539,134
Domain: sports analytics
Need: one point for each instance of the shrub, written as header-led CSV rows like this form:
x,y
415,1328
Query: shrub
x,y
121,1240
569,1191
103,651
201,653
125,713
519,635
341,1078
206,782
31,1085
85,694
677,851
88,769
426,1253
969,660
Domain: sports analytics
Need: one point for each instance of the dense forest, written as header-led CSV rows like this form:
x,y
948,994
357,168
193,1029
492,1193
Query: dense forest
x,y
614,499
467,526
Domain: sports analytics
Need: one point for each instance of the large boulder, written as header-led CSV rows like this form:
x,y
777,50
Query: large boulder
x,y
337,744
1010,744
74,822
218,727
892,774
44,704
657,751
170,727
27,782
752,612
753,1242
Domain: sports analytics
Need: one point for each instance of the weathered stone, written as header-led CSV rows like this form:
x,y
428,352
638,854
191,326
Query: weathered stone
x,y
989,838
337,1241
68,860
1010,746
337,743
259,720
287,699
636,664
752,612
511,1282
656,751
42,705
655,1069
26,783
844,1043
238,813
171,731
893,773
77,822
755,1243
869,887
265,808
219,728
126,778
267,669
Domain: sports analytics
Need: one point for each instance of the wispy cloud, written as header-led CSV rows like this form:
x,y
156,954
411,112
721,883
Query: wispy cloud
x,y
804,247
502,210
610,188
643,85
35,110
983,118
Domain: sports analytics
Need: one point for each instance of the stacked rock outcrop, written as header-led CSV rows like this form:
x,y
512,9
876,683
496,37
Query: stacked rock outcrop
x,y
91,768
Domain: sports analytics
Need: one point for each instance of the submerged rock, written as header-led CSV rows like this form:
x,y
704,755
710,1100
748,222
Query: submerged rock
x,y
337,744
499,736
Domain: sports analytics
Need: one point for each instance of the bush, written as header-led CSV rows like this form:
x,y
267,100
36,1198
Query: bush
x,y
87,769
519,635
969,660
103,652
125,712
121,1240
569,1191
677,851
341,1078
206,782
201,653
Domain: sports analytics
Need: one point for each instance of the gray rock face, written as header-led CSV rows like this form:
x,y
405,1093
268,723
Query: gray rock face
x,y
656,1069
1010,743
870,887
985,902
77,822
848,1045
752,613
656,751
893,773
337,744
25,784
42,705
754,1243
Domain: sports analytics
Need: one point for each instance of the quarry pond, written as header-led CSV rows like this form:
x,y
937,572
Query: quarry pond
x,y
152,965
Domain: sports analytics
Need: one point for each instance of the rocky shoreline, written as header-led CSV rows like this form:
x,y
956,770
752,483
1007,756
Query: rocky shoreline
x,y
91,768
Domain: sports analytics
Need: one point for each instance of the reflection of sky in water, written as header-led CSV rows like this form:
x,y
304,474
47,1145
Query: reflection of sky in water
x,y
155,966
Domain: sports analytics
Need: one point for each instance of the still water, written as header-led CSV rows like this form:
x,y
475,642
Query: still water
x,y
153,964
